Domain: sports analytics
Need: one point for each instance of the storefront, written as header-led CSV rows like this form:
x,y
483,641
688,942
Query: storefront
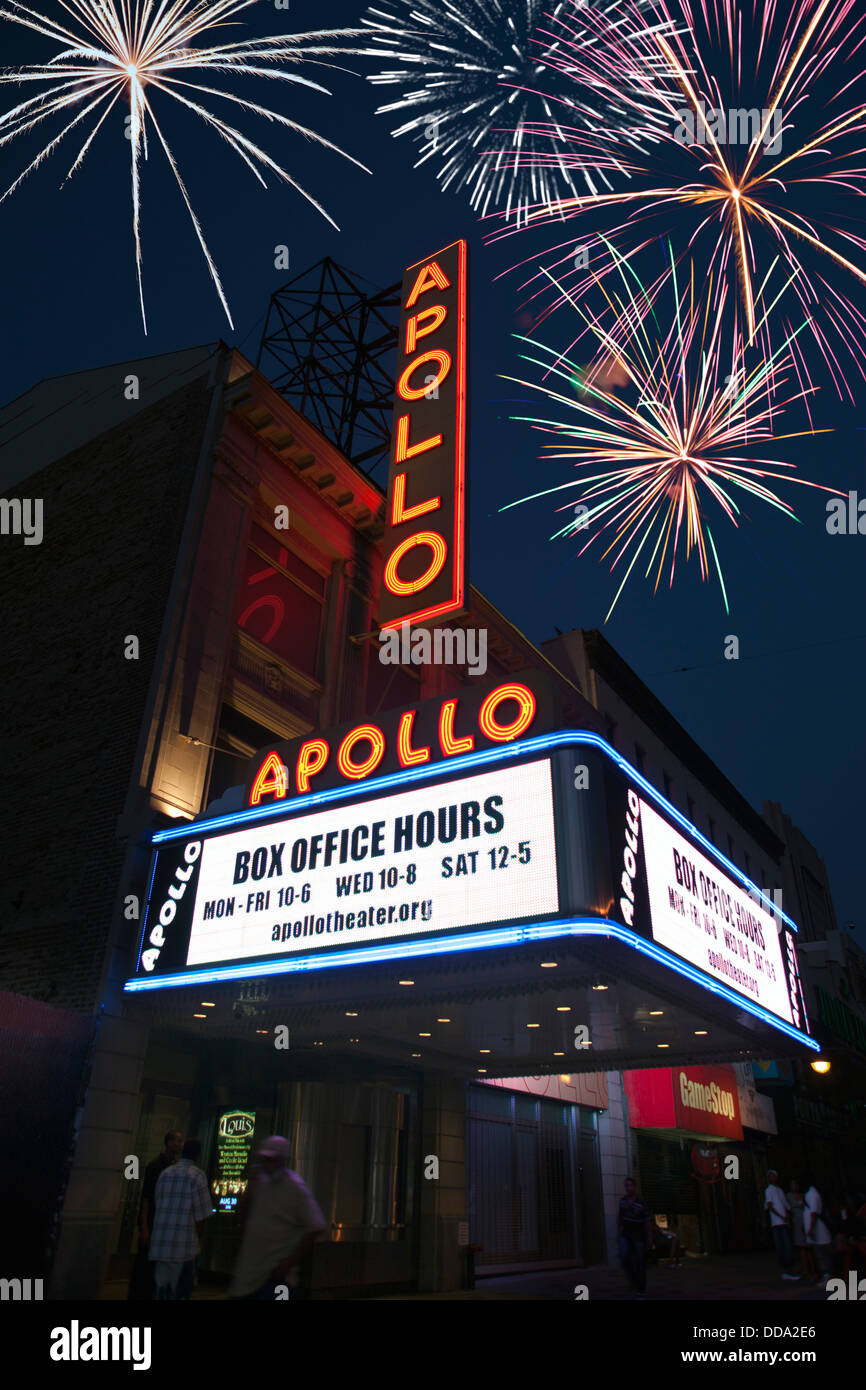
x,y
700,1153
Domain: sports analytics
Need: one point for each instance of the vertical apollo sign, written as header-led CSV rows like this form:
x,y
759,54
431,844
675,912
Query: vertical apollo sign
x,y
425,521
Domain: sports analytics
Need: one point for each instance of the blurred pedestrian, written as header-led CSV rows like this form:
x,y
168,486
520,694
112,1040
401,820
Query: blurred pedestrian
x,y
797,1203
634,1229
182,1204
779,1211
141,1280
666,1245
281,1223
817,1234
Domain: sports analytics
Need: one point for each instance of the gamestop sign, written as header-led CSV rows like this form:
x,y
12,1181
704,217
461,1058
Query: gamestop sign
x,y
470,852
425,517
702,1100
706,1101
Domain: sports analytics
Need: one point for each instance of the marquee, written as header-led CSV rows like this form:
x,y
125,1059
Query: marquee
x,y
500,846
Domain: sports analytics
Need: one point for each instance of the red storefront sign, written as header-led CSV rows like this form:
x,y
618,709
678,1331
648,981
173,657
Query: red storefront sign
x,y
702,1100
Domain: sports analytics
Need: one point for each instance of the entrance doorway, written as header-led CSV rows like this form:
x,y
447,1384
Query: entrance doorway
x,y
525,1174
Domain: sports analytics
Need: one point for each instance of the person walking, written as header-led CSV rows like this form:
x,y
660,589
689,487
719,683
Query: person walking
x,y
634,1229
797,1204
817,1234
141,1279
281,1223
776,1204
182,1204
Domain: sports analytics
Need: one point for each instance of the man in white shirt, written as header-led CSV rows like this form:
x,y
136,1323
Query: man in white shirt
x,y
778,1206
817,1234
281,1222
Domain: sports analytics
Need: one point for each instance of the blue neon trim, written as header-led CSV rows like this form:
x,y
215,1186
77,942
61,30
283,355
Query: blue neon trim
x,y
544,743
146,913
472,941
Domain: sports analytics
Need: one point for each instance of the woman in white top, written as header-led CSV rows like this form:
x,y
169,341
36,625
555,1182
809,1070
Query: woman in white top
x,y
798,1230
817,1233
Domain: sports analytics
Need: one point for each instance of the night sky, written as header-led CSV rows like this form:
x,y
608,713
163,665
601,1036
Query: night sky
x,y
785,722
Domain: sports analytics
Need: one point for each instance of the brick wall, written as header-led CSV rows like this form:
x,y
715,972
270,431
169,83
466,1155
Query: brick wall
x,y
73,705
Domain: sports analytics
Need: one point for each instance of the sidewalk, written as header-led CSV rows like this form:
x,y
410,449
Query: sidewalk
x,y
742,1277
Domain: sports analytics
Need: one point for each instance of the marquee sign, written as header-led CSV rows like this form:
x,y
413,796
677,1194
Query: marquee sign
x,y
420,861
425,520
670,890
469,719
503,842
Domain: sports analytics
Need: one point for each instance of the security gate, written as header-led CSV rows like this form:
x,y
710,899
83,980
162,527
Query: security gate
x,y
522,1178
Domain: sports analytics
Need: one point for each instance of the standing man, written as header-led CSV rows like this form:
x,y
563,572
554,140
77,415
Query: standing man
x,y
281,1222
817,1234
182,1205
779,1208
634,1228
141,1281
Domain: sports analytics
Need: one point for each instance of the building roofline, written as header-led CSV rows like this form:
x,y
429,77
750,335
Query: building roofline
x,y
619,675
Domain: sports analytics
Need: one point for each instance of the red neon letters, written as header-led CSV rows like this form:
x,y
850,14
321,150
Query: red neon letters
x,y
354,763
424,565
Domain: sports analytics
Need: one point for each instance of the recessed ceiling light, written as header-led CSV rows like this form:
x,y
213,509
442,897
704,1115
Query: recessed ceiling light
x,y
559,1054
533,1025
443,1020
425,1035
701,1032
199,1015
349,1014
662,1044
484,1049
549,964
416,1054
482,1071
563,1008
656,1013
600,986
206,1004
405,982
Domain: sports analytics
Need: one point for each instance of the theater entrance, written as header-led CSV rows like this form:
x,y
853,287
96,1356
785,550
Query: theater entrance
x,y
534,1186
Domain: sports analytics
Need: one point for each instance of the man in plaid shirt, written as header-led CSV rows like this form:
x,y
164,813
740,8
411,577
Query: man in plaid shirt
x,y
182,1203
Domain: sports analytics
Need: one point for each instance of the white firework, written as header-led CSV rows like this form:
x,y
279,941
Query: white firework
x,y
491,97
134,49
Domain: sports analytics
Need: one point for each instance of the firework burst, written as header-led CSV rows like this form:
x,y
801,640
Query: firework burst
x,y
485,101
133,49
757,191
650,470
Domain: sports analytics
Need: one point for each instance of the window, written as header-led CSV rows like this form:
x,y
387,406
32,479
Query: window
x,y
691,806
712,824
748,866
731,849
281,601
669,785
640,759
611,732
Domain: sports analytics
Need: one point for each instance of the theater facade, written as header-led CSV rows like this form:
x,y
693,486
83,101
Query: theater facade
x,y
418,920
